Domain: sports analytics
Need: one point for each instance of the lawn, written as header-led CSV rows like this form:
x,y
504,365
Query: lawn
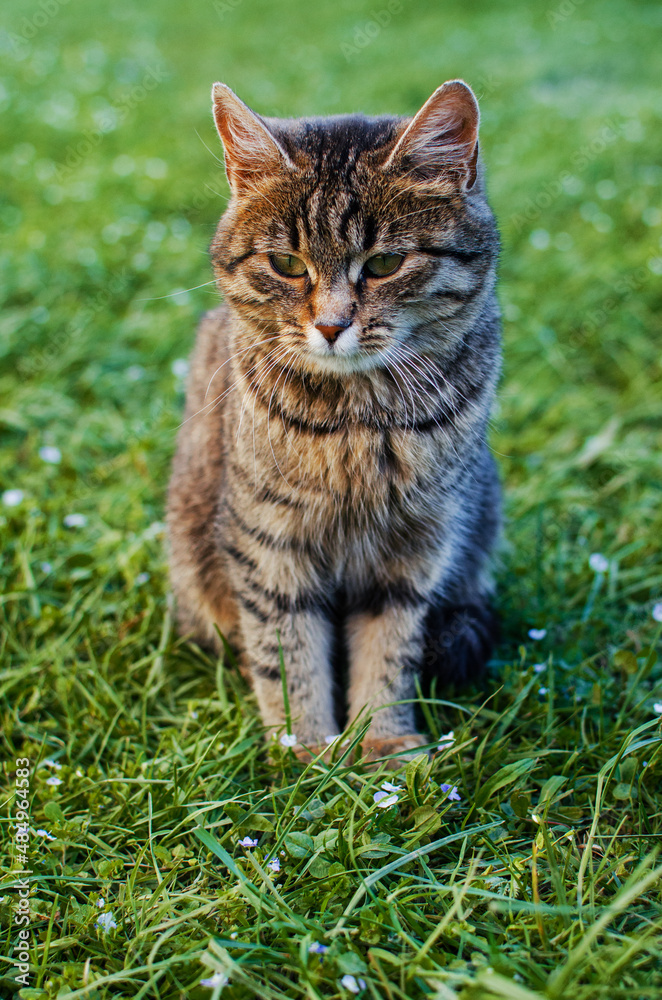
x,y
520,860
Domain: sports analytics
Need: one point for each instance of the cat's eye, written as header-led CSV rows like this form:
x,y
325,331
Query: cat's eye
x,y
288,265
383,264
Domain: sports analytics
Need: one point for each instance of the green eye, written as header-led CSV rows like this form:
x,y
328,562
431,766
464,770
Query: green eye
x,y
285,263
383,264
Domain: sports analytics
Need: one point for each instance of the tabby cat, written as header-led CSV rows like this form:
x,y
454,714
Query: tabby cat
x,y
332,487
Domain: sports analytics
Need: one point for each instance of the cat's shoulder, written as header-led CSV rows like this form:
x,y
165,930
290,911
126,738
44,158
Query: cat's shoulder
x,y
211,347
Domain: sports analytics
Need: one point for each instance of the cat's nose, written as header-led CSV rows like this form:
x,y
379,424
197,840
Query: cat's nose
x,y
330,331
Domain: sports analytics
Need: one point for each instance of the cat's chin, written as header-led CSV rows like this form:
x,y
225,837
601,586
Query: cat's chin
x,y
339,364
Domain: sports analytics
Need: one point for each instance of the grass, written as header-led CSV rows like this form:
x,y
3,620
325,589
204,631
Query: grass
x,y
543,881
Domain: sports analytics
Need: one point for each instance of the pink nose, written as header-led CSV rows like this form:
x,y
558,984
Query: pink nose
x,y
330,333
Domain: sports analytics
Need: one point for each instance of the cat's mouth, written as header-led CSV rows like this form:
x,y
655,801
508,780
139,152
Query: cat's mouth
x,y
344,353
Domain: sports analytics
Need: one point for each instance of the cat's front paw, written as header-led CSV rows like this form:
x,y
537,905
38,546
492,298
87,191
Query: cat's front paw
x,y
405,746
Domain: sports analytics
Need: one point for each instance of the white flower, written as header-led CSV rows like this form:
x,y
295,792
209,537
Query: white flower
x,y
52,763
542,690
446,741
46,834
274,864
50,454
539,667
353,984
384,800
179,367
657,612
317,949
288,740
390,787
54,781
218,979
134,373
79,773
657,707
598,563
193,714
75,520
101,903
142,578
330,739
234,936
248,842
12,498
46,568
106,922
537,633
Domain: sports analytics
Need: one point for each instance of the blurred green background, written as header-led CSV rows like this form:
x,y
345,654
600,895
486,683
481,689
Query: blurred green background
x,y
112,186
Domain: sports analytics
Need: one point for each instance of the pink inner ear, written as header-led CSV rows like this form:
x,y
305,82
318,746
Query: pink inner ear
x,y
443,135
250,150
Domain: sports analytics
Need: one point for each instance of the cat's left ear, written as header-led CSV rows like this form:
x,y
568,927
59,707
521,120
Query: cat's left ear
x,y
442,139
251,151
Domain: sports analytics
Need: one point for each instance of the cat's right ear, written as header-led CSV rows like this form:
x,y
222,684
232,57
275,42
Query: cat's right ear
x,y
251,151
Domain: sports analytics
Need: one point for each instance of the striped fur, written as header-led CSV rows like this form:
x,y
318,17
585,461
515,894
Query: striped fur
x,y
342,493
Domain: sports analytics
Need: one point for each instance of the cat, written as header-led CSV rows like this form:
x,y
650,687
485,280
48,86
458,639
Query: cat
x,y
332,483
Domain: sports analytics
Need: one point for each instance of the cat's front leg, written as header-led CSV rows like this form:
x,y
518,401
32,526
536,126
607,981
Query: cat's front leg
x,y
305,637
385,648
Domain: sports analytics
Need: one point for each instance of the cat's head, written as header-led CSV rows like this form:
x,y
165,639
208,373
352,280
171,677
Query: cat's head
x,y
350,239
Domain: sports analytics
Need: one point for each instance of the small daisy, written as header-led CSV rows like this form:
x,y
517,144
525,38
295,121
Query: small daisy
x,y
106,922
331,739
142,578
79,773
598,563
288,740
657,611
446,741
52,763
218,979
248,842
353,984
453,795
537,633
50,454
53,781
101,903
46,568
234,936
46,834
75,520
12,498
539,667
657,707
388,786
542,690
318,949
383,800
274,864
193,714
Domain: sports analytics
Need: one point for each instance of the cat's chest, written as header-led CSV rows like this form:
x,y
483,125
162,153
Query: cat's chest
x,y
354,462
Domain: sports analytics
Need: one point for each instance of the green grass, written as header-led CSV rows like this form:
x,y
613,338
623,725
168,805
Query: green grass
x,y
543,880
